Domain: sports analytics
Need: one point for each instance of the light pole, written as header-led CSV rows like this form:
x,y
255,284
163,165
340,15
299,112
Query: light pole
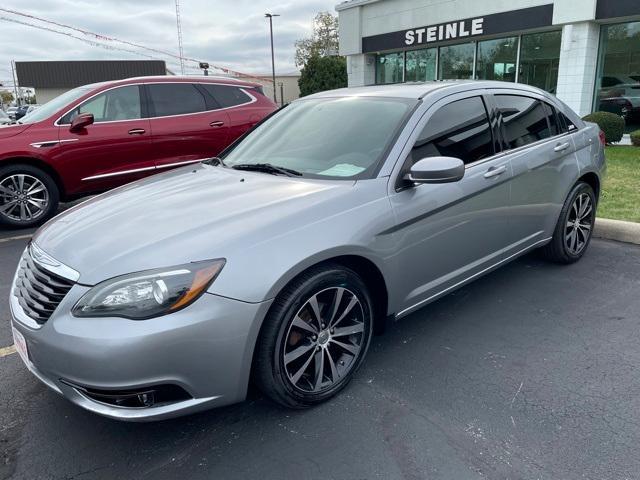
x,y
273,62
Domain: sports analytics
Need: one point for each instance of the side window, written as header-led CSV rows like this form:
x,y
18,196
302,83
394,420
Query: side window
x,y
227,96
460,129
121,103
175,99
524,120
566,124
552,117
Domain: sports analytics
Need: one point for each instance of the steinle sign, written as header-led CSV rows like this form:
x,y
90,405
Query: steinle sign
x,y
446,31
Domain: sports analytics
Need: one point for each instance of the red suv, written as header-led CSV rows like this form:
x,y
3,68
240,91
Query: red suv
x,y
99,136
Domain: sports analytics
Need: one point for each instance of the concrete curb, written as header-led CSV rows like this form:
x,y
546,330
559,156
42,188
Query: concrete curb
x,y
628,232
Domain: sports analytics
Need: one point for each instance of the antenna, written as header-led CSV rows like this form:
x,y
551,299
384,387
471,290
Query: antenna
x,y
179,25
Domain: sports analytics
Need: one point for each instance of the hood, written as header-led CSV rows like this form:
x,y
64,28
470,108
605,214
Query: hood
x,y
12,130
193,213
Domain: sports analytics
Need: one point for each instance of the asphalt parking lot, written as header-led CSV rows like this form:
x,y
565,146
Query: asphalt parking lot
x,y
529,373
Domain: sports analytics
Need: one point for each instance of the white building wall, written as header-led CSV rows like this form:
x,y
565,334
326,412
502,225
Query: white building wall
x,y
43,95
361,70
578,63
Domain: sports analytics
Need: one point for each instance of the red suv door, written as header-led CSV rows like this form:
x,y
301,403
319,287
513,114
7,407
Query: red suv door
x,y
186,125
115,149
241,105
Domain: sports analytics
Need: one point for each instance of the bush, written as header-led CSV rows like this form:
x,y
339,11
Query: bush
x,y
611,124
635,138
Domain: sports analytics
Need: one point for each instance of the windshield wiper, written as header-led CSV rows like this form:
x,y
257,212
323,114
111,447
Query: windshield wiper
x,y
267,168
215,161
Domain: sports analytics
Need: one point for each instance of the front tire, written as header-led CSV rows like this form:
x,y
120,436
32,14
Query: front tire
x,y
574,229
28,196
314,337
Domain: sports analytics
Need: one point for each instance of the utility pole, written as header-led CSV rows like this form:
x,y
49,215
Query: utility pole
x,y
15,82
273,61
282,94
179,25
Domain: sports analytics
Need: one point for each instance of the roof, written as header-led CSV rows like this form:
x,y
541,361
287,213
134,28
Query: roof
x,y
183,78
71,74
420,89
353,3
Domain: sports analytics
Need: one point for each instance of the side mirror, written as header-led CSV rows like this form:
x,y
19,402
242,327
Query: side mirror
x,y
81,121
437,170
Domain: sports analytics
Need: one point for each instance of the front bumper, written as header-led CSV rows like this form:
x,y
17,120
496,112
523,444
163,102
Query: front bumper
x,y
205,349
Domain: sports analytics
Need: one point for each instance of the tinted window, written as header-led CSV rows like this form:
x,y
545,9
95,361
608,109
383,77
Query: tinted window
x,y
121,103
553,120
176,99
524,120
566,124
227,96
460,129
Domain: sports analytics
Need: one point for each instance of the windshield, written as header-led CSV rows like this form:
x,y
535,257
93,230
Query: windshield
x,y
326,137
45,111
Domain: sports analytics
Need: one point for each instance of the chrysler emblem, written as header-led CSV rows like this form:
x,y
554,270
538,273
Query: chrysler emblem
x,y
41,257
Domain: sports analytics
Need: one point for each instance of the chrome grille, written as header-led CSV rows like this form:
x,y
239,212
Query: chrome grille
x,y
38,290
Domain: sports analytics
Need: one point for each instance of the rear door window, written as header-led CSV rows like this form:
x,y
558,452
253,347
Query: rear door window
x,y
227,95
565,123
524,120
552,117
175,99
460,129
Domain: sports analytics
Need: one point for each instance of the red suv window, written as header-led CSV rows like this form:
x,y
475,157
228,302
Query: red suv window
x,y
227,95
175,99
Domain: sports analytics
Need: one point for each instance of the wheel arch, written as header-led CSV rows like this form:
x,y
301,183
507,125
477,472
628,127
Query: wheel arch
x,y
363,265
593,180
369,272
37,163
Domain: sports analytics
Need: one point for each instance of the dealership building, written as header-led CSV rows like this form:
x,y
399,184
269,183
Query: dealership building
x,y
587,52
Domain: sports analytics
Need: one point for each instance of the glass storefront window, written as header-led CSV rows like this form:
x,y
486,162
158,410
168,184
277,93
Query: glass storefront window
x,y
456,61
618,81
420,65
496,59
539,60
390,68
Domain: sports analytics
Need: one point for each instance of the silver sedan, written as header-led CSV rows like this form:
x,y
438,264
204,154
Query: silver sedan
x,y
278,262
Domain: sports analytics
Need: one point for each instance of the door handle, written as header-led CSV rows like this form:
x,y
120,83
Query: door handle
x,y
216,124
137,131
561,147
495,171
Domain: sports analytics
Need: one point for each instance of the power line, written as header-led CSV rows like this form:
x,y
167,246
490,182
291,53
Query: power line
x,y
99,36
90,42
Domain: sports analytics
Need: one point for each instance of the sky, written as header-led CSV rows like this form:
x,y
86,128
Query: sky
x,y
230,33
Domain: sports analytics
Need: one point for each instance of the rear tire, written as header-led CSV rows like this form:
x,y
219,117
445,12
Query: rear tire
x,y
574,229
314,337
28,196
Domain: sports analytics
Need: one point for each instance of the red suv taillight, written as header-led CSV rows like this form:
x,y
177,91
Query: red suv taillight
x,y
603,139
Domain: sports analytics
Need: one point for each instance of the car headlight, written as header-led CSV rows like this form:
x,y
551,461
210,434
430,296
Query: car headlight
x,y
150,293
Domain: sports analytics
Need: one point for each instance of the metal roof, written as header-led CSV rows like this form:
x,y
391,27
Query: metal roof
x,y
71,74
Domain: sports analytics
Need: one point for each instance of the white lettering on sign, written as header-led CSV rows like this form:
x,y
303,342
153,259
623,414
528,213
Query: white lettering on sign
x,y
409,37
431,34
476,26
446,31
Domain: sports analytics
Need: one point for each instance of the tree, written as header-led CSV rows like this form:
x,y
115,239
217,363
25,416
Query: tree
x,y
7,97
322,73
322,43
